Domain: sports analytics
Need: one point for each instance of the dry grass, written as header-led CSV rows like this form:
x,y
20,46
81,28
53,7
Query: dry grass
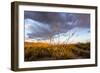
x,y
45,51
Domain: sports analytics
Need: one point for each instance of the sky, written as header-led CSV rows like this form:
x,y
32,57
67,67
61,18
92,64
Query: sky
x,y
60,26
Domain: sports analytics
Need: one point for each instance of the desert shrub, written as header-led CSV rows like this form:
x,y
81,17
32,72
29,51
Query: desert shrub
x,y
56,52
62,52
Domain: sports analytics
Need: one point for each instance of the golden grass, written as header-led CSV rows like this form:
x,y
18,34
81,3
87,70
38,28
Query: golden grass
x,y
44,51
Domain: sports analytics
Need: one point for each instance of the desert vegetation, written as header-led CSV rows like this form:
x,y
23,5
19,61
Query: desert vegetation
x,y
46,51
56,36
35,51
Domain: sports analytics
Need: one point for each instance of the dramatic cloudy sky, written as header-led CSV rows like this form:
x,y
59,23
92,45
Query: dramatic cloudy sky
x,y
43,25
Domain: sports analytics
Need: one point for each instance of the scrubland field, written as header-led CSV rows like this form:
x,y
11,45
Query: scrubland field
x,y
44,51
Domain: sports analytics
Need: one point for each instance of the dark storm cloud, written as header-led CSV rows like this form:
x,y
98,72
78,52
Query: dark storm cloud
x,y
55,22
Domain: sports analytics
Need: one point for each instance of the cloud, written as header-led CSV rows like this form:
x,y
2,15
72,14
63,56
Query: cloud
x,y
34,29
41,25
